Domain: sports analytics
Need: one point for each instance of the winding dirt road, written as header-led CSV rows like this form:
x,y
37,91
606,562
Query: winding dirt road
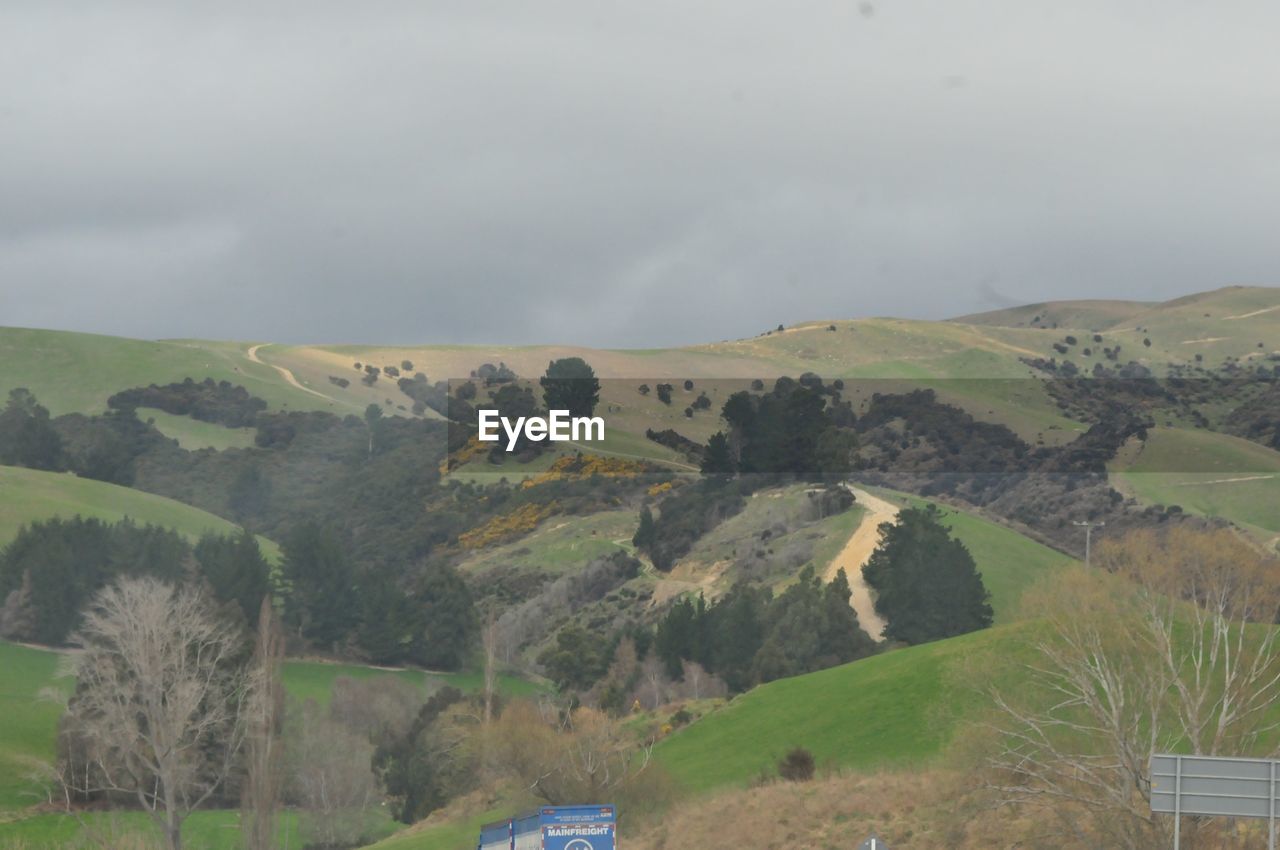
x,y
855,554
284,373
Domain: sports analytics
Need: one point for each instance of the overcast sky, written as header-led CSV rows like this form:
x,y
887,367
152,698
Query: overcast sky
x,y
623,174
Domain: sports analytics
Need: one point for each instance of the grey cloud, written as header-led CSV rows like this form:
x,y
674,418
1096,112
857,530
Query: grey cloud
x,y
621,174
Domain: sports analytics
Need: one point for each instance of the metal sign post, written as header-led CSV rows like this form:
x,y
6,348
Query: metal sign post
x,y
1214,785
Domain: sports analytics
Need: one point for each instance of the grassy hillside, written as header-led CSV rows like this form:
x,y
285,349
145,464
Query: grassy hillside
x,y
1009,562
27,495
898,708
973,361
72,372
559,544
1205,473
27,733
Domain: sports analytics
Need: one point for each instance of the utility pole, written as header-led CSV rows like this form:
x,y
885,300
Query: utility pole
x,y
1088,537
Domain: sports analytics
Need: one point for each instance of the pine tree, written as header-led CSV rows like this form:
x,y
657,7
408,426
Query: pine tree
x,y
928,586
644,536
322,601
718,460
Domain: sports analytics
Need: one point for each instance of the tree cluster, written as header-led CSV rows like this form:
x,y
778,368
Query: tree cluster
x,y
54,567
750,636
208,400
796,428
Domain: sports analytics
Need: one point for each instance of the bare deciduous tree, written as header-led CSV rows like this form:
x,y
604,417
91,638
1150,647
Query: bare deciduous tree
x,y
158,709
331,778
491,640
1174,649
565,756
264,749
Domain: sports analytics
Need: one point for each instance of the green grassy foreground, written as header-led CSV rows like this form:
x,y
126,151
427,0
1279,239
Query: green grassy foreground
x,y
899,708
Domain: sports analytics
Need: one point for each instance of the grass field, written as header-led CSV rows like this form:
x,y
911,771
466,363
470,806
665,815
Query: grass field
x,y
29,723
1205,473
895,709
27,495
314,679
72,372
193,434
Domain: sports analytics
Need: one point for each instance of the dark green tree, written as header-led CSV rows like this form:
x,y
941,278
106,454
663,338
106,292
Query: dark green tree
x,y
27,436
249,495
421,770
576,660
322,600
448,619
927,584
570,384
389,624
234,567
644,535
718,459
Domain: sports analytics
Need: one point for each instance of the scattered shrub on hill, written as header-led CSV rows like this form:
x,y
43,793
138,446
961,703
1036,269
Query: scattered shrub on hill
x,y
391,371
664,393
339,382
797,765
490,374
208,400
406,365
643,389
675,440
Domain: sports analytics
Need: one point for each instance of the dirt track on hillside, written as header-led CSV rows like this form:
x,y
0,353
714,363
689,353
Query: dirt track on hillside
x,y
287,374
853,557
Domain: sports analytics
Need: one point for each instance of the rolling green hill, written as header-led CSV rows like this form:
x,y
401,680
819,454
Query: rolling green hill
x,y
27,495
973,361
1205,473
894,709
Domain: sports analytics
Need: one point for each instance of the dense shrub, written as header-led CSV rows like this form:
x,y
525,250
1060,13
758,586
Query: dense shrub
x,y
797,765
